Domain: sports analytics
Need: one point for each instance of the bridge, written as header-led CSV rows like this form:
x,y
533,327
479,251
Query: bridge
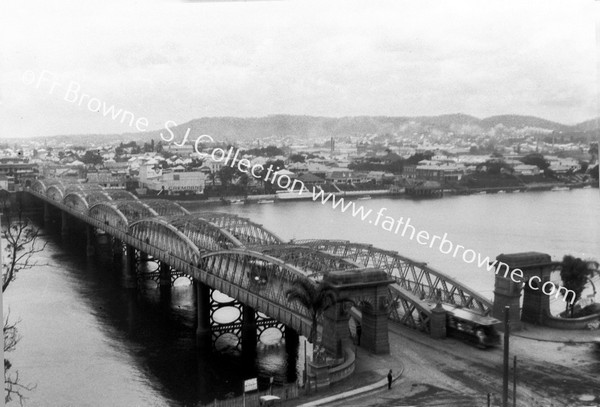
x,y
253,266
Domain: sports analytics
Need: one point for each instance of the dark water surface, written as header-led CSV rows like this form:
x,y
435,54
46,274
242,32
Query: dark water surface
x,y
90,339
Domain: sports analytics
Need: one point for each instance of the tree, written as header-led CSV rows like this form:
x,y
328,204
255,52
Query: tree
x,y
594,172
495,167
243,181
92,157
226,175
414,159
536,159
20,243
575,273
297,158
269,151
212,177
593,151
316,298
276,164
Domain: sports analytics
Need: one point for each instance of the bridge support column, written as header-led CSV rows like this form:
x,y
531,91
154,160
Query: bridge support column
x,y
116,250
437,324
536,304
65,227
47,214
127,265
506,291
165,275
90,248
249,339
336,331
203,331
292,341
374,336
370,288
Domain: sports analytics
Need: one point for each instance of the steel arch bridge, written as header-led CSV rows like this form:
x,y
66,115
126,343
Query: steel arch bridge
x,y
247,262
416,286
211,248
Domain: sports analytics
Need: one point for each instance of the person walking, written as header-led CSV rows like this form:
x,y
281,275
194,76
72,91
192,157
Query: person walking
x,y
389,379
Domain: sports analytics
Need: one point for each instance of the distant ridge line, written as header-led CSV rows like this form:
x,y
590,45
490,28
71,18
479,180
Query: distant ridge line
x,y
281,125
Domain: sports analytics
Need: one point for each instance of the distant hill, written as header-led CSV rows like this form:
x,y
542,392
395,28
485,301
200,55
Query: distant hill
x,y
520,122
301,127
589,125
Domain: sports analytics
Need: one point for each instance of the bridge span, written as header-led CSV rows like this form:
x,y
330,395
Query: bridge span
x,y
249,263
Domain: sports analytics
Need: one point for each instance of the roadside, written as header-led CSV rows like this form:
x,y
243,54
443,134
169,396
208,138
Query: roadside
x,y
370,375
544,334
555,368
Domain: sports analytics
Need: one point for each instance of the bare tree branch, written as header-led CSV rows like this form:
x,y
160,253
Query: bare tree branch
x,y
21,243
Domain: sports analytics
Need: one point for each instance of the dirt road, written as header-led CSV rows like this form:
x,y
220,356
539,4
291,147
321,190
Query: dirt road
x,y
458,374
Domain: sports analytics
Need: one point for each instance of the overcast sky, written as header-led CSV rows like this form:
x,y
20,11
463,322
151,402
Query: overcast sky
x,y
168,60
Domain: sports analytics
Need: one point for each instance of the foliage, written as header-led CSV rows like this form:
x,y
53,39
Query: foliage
x,y
135,149
92,157
20,243
315,298
593,151
297,158
536,159
415,158
269,151
495,167
594,173
226,174
378,164
276,164
575,274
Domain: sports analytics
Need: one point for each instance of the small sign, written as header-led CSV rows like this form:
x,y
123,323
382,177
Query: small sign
x,y
250,385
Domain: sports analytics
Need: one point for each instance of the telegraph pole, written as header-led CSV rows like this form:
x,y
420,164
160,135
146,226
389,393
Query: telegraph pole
x,y
515,382
505,370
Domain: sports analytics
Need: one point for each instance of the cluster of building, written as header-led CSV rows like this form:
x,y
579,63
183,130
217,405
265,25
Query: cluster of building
x,y
181,170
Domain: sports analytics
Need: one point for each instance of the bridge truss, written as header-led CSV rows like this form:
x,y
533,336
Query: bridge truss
x,y
247,262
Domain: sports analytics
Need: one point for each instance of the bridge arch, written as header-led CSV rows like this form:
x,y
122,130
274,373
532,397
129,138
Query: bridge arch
x,y
260,281
159,233
83,188
409,310
246,231
109,214
309,259
39,187
206,235
76,201
55,192
165,208
95,197
120,195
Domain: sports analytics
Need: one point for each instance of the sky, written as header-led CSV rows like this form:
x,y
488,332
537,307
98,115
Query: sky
x,y
167,60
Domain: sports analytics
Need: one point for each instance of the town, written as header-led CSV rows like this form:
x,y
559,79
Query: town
x,y
427,163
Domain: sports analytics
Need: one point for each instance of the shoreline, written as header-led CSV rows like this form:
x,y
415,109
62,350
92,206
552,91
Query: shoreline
x,y
271,198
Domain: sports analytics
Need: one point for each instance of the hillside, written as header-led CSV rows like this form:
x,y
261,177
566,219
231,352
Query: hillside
x,y
589,125
302,127
519,122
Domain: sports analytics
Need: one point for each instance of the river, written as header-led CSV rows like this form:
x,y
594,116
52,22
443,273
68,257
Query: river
x,y
89,339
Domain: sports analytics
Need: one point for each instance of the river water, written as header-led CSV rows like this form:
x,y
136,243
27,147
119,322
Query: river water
x,y
90,339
